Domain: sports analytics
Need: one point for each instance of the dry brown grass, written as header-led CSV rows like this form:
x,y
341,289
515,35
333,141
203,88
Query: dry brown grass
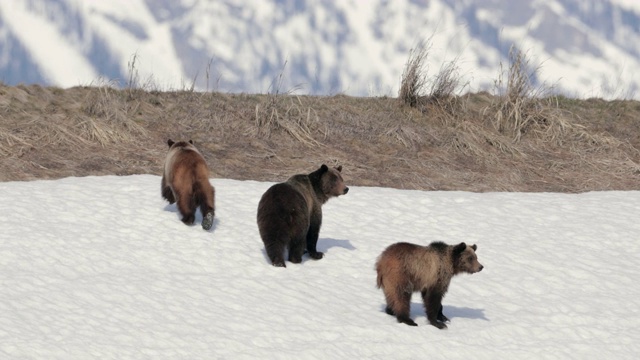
x,y
288,114
283,111
53,133
522,108
418,89
414,76
107,117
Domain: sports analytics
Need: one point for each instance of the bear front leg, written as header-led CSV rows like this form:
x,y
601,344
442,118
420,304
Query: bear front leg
x,y
433,306
312,238
441,316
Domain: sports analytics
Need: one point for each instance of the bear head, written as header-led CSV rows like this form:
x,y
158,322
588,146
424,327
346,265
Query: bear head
x,y
329,181
173,144
465,259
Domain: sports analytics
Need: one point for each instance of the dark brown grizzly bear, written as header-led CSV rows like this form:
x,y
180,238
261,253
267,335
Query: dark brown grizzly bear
x,y
405,268
186,181
290,213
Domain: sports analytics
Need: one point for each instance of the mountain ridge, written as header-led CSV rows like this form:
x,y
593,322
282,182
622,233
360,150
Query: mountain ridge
x,y
582,48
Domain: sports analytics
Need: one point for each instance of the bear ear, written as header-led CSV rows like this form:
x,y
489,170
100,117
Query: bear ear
x,y
458,249
339,168
323,169
190,141
474,247
170,142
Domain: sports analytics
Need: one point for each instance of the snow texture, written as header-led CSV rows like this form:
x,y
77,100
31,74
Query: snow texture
x,y
102,267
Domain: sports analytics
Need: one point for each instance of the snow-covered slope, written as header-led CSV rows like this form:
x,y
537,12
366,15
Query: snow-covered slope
x,y
585,47
102,268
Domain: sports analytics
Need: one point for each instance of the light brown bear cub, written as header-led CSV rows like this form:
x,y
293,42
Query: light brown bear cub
x,y
186,181
405,268
290,213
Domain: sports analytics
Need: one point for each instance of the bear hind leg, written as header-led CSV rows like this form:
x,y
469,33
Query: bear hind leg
x,y
275,252
166,191
207,209
399,304
389,310
296,249
187,208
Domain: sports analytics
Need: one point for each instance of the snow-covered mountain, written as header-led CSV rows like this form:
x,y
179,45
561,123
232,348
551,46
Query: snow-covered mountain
x,y
585,47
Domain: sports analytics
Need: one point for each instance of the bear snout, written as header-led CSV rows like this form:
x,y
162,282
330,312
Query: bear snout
x,y
346,190
480,268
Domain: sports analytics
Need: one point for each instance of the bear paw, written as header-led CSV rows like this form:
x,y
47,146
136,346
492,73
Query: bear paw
x,y
389,311
188,219
406,320
442,318
439,325
207,221
316,255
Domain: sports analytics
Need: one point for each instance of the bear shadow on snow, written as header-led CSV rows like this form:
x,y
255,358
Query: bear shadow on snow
x,y
198,216
327,243
464,312
417,311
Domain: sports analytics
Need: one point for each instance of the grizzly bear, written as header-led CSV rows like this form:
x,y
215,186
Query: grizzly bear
x,y
405,268
290,213
186,181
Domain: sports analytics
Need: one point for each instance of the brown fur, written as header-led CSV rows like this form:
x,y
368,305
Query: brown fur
x,y
290,213
186,181
405,268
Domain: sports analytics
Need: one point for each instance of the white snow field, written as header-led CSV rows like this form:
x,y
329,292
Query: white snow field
x,y
102,268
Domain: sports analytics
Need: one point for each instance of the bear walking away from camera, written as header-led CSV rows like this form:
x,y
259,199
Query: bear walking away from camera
x,y
186,181
290,213
405,268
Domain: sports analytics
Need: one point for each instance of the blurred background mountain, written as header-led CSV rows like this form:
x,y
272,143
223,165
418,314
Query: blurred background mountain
x,y
583,48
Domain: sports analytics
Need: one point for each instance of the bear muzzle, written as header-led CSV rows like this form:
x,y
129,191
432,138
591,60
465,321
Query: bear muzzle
x,y
346,190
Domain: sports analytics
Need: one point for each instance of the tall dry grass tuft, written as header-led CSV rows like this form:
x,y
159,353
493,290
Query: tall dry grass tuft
x,y
446,83
135,86
208,77
444,87
419,90
523,107
283,110
414,79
